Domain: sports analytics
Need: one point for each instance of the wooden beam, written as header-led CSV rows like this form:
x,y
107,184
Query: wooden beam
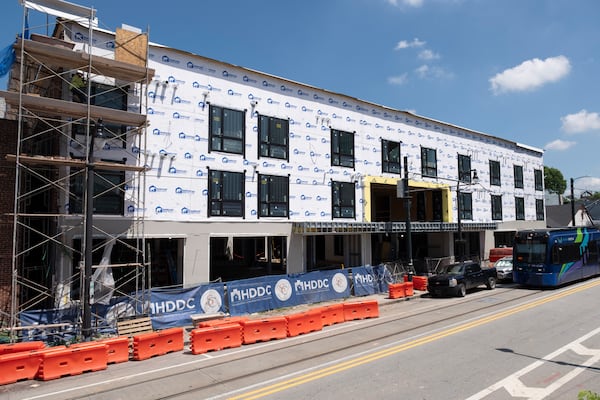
x,y
55,107
61,57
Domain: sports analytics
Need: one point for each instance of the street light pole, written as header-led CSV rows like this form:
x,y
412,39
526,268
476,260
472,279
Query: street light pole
x,y
572,203
408,207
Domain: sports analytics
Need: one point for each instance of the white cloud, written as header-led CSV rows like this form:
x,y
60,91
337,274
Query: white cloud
x,y
398,80
582,121
428,55
426,71
559,145
410,3
403,44
531,74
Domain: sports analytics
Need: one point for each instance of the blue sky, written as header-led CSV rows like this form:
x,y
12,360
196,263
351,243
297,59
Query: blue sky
x,y
526,71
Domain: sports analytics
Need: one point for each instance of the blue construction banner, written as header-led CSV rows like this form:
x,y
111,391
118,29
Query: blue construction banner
x,y
314,287
384,277
174,307
264,293
365,281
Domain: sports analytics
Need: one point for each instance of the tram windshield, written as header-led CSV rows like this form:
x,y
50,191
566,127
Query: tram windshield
x,y
530,252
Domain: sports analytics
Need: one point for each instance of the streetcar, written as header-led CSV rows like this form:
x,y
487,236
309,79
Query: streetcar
x,y
554,257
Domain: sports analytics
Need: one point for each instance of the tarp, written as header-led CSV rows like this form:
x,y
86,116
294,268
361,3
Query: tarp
x,y
365,281
174,307
253,295
7,58
314,287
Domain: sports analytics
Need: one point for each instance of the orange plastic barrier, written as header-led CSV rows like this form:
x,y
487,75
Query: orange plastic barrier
x,y
222,321
361,310
332,314
262,330
152,344
419,282
304,322
408,289
396,290
72,361
117,349
22,365
218,337
10,348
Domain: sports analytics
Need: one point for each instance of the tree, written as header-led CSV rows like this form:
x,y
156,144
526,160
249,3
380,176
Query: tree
x,y
554,182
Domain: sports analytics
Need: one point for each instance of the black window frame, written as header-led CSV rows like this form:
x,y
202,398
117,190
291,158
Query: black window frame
x,y
538,178
272,200
466,205
496,207
464,168
519,208
539,209
221,206
518,174
390,157
495,175
428,166
343,199
219,140
273,137
109,195
341,156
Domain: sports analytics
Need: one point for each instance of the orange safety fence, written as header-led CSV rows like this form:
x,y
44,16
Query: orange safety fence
x,y
72,361
332,314
217,337
262,330
361,310
304,322
9,348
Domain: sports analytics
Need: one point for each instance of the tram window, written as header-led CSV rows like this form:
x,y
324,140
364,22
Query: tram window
x,y
565,253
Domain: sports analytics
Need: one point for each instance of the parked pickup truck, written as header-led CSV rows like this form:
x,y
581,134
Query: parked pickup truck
x,y
459,277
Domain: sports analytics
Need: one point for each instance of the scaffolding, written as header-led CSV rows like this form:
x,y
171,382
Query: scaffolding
x,y
79,163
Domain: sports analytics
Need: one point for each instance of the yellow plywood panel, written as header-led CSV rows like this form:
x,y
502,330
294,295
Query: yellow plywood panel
x,y
131,47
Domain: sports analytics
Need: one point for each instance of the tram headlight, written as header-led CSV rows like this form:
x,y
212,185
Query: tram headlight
x,y
452,282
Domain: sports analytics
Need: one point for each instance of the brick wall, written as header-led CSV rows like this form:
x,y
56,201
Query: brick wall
x,y
8,145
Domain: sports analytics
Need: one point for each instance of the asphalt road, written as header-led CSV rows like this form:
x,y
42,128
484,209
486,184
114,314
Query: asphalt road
x,y
502,344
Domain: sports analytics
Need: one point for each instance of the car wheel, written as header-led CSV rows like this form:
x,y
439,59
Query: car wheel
x,y
461,290
491,283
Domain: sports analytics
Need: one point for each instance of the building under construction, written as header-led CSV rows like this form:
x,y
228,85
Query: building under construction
x,y
135,165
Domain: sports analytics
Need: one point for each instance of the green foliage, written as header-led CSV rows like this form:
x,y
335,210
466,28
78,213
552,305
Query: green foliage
x,y
554,181
588,395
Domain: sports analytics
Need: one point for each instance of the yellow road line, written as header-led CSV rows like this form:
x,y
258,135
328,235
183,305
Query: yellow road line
x,y
355,362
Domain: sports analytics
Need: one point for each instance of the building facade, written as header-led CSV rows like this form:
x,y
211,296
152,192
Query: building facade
x,y
238,173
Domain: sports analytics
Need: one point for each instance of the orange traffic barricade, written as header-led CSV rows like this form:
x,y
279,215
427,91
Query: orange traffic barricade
x,y
72,361
222,321
332,314
361,310
408,289
262,330
117,348
304,322
217,337
9,348
147,345
396,290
